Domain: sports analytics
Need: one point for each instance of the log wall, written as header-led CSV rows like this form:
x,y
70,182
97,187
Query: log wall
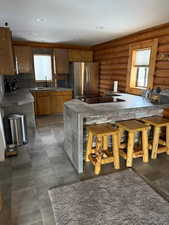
x,y
113,58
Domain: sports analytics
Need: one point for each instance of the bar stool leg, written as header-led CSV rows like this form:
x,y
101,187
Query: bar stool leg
x,y
145,145
155,142
120,135
89,146
130,148
98,155
167,139
115,147
105,142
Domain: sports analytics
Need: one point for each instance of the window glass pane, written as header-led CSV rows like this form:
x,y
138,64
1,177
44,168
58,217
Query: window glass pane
x,y
43,67
142,77
142,57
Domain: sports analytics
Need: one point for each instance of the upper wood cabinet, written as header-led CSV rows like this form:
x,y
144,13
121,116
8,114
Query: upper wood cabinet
x,y
6,54
76,55
23,57
87,56
61,61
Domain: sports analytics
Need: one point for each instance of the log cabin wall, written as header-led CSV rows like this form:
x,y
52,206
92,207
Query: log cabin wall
x,y
113,58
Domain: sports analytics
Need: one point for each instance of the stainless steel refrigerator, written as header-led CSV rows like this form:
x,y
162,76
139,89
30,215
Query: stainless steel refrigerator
x,y
83,79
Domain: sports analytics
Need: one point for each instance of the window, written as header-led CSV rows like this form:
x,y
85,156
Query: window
x,y
142,60
141,65
43,67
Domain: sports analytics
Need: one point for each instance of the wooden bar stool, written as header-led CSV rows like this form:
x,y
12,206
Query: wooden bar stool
x,y
132,127
158,122
100,154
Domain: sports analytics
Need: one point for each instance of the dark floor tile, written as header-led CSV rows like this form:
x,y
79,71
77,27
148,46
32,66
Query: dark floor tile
x,y
22,158
5,215
22,182
46,211
24,201
27,218
22,170
38,223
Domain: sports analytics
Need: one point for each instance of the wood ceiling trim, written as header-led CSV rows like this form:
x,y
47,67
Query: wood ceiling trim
x,y
48,45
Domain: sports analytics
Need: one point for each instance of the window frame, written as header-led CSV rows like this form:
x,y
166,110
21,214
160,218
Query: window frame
x,y
131,73
42,54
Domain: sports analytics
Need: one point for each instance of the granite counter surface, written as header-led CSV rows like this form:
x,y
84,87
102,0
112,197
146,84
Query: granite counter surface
x,y
50,89
132,102
17,98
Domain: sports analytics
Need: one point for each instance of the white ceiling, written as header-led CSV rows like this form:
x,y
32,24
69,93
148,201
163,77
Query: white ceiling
x,y
85,22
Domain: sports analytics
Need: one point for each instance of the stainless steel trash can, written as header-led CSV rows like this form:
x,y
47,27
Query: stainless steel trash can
x,y
17,129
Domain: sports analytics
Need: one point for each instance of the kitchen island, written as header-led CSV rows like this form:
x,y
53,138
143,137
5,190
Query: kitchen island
x,y
78,114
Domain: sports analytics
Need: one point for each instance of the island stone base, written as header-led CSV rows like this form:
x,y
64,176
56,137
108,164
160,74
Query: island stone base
x,y
74,124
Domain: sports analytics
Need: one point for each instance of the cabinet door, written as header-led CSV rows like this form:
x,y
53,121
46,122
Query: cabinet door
x,y
75,55
35,102
43,103
87,56
6,53
58,99
61,61
56,104
23,57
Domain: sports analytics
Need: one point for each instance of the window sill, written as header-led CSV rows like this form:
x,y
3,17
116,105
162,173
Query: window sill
x,y
136,91
43,81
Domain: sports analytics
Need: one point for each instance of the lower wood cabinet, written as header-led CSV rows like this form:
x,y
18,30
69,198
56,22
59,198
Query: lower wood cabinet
x,y
50,102
43,105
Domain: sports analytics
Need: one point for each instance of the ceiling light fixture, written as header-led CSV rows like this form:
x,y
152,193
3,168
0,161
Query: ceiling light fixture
x,y
41,20
99,27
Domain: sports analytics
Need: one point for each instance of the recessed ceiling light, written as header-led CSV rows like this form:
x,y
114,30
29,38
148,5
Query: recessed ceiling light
x,y
41,20
99,27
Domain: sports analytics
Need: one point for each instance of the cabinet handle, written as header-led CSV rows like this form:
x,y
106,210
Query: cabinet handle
x,y
17,67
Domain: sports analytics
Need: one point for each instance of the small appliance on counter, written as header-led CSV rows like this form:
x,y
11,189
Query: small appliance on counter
x,y
157,95
10,85
154,95
115,86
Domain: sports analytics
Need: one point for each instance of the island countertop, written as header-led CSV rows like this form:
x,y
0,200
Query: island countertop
x,y
131,102
58,89
78,114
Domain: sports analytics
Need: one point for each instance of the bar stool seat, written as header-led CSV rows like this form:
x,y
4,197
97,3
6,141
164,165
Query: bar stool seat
x,y
132,127
158,122
101,154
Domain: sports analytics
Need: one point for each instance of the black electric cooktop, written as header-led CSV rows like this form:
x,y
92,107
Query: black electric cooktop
x,y
100,99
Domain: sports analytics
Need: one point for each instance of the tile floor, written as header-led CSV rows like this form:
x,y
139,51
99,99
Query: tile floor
x,y
42,164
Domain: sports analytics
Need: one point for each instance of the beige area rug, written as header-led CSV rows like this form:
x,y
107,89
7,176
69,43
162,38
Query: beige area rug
x,y
121,198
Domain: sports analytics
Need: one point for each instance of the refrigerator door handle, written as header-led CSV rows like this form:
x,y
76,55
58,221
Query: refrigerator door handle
x,y
87,79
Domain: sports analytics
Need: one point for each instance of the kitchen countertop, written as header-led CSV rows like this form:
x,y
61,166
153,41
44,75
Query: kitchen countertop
x,y
19,97
50,89
24,96
131,102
